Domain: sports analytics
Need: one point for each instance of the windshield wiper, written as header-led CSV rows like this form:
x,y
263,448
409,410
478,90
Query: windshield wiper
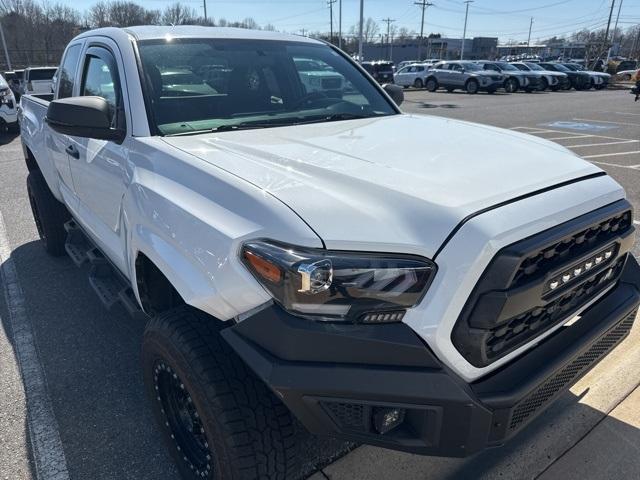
x,y
283,122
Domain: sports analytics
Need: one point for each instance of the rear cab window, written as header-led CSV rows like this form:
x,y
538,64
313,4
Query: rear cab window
x,y
68,70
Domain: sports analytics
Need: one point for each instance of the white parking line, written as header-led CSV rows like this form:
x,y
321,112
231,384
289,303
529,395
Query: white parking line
x,y
627,113
601,144
569,138
617,165
48,454
613,155
636,222
565,132
607,121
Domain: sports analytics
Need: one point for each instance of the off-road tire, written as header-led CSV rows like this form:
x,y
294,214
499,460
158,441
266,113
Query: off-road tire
x,y
249,432
472,86
417,83
49,214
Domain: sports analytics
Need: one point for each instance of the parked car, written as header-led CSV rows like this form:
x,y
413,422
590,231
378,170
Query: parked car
x,y
404,63
411,75
37,80
381,71
626,65
515,79
598,80
628,75
550,78
14,79
319,77
297,270
464,75
578,80
8,114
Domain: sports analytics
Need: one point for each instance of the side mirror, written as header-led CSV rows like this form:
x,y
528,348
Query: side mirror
x,y
395,92
82,117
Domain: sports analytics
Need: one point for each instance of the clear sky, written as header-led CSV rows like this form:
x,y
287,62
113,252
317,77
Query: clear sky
x,y
507,19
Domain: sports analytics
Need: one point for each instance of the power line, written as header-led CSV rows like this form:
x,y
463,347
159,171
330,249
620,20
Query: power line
x,y
423,4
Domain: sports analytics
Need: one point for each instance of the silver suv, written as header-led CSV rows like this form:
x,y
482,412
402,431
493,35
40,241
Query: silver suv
x,y
463,75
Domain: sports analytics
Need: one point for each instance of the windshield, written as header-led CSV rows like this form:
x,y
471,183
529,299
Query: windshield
x,y
534,66
570,67
471,67
198,85
558,67
506,66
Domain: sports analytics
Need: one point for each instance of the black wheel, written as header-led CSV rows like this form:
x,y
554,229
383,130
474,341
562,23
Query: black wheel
x,y
13,127
472,86
432,84
417,83
217,418
592,84
49,214
544,84
511,85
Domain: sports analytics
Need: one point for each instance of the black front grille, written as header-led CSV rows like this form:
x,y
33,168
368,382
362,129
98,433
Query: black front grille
x,y
331,83
520,329
570,247
544,393
531,286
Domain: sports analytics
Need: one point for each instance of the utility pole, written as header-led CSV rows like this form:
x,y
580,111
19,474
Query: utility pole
x,y
360,32
530,27
388,21
615,28
340,24
4,44
330,3
606,33
204,4
422,4
464,34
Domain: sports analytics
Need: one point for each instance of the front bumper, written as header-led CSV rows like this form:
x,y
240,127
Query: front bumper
x,y
335,377
8,115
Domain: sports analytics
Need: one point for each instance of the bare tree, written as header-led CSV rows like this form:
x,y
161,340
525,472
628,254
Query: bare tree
x,y
370,30
178,14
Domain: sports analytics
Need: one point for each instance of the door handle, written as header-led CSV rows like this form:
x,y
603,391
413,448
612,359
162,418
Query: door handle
x,y
73,151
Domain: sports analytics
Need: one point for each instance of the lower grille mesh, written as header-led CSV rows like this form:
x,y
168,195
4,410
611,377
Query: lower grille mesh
x,y
567,375
350,416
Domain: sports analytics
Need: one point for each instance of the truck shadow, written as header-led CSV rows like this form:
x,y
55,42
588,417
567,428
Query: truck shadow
x,y
7,137
90,358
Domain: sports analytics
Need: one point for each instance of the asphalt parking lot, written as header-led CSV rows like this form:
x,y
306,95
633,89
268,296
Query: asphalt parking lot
x,y
84,368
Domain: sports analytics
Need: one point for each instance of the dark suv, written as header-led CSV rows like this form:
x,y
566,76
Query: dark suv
x,y
380,70
579,80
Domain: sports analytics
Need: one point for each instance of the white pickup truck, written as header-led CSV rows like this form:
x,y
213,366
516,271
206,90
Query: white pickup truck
x,y
295,258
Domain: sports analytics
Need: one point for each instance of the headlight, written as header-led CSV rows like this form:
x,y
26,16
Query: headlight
x,y
339,286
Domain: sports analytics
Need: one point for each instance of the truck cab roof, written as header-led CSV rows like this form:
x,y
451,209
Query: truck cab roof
x,y
152,32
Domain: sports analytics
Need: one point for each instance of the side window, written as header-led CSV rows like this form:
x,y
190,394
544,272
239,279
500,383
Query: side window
x,y
419,69
98,79
67,73
455,67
